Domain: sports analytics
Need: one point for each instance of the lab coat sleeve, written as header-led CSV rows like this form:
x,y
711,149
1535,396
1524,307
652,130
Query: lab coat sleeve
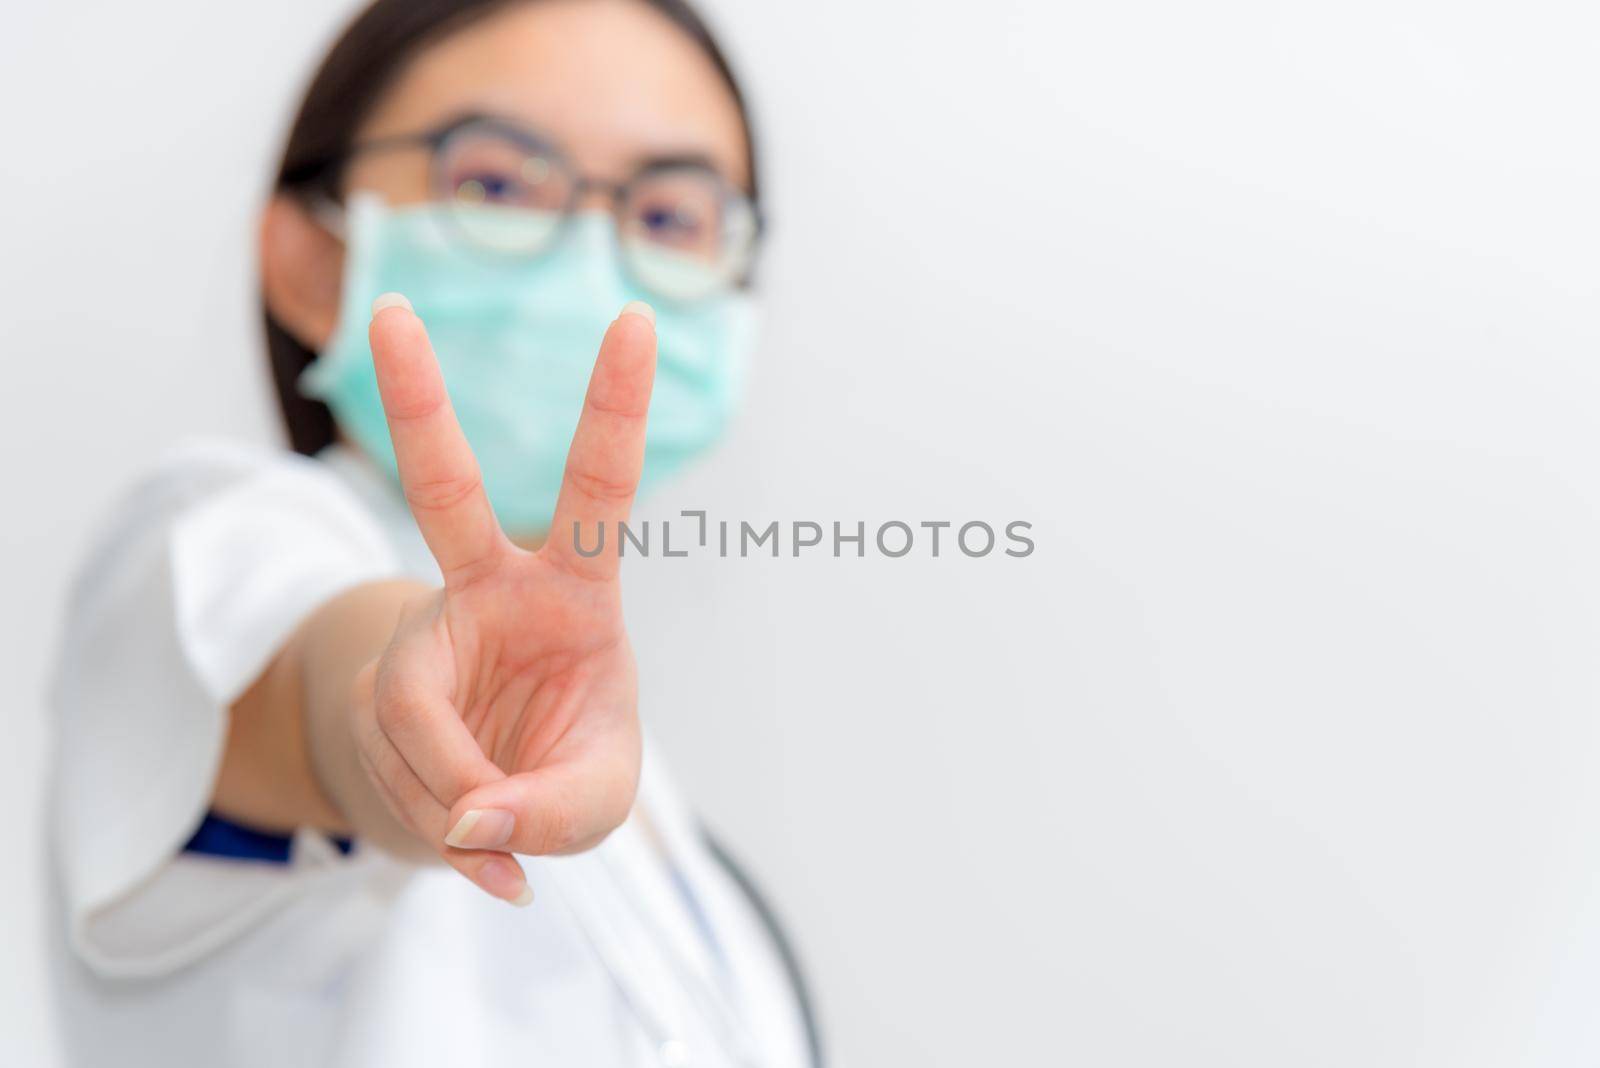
x,y
198,578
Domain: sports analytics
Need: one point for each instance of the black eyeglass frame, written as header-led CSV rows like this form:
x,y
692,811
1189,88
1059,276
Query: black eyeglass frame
x,y
323,176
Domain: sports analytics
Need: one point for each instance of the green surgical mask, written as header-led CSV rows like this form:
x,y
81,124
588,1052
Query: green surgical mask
x,y
516,340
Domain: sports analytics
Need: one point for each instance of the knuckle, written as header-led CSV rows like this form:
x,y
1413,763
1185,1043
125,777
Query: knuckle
x,y
410,401
599,487
619,810
617,802
397,715
442,494
559,831
365,683
616,403
591,842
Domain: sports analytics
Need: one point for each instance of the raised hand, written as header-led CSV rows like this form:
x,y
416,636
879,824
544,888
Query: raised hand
x,y
503,715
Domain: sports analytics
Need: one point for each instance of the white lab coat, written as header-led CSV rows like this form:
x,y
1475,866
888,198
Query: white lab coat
x,y
172,958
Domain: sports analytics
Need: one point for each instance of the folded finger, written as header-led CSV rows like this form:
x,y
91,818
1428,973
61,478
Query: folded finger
x,y
496,873
427,731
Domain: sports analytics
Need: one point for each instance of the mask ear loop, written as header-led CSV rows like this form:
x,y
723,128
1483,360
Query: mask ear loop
x,y
328,214
334,217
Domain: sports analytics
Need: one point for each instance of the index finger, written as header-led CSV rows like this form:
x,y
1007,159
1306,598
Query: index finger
x,y
438,472
607,452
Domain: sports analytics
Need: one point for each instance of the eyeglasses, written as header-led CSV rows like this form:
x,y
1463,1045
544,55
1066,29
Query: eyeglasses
x,y
684,232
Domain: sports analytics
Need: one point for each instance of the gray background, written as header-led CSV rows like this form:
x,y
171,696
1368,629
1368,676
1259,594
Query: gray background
x,y
1277,321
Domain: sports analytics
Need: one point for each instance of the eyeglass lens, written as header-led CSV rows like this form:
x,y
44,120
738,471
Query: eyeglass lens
x,y
683,231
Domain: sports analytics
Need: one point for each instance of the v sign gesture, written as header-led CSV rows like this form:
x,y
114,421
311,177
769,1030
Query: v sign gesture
x,y
502,716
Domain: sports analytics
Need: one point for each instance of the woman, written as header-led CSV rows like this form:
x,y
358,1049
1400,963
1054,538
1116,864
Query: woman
x,y
313,710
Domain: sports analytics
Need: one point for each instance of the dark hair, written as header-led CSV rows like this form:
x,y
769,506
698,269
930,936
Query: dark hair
x,y
359,68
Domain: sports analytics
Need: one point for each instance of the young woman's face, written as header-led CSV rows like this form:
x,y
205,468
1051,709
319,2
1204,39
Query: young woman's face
x,y
611,83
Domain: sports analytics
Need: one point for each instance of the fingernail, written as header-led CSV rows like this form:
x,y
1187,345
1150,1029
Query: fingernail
x,y
390,300
482,828
633,307
503,879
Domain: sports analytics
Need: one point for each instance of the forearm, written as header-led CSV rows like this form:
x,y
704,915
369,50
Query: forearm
x,y
290,759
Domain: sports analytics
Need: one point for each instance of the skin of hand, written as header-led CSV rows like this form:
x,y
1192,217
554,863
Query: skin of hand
x,y
501,715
